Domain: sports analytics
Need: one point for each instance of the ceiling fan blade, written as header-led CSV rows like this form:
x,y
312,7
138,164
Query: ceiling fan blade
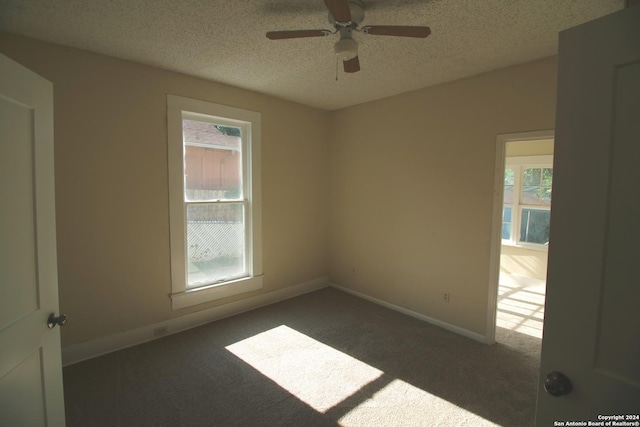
x,y
397,30
339,9
352,65
295,34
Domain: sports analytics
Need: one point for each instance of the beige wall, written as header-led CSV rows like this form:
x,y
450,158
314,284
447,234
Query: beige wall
x,y
111,185
518,260
523,262
411,189
393,198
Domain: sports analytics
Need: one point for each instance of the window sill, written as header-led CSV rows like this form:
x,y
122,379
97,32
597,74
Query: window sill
x,y
214,292
532,246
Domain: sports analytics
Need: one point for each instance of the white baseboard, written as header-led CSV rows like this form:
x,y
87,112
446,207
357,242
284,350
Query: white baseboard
x,y
86,350
89,349
444,325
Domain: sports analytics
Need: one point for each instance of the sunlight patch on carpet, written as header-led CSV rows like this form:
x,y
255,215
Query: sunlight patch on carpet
x,y
410,406
521,304
315,373
332,382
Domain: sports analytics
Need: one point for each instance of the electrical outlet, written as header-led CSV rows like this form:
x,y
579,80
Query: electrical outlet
x,y
446,297
161,330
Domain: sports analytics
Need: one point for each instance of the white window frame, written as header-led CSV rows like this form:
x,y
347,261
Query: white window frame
x,y
250,122
519,164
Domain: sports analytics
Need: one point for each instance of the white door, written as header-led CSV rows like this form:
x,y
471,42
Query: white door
x,y
592,322
30,360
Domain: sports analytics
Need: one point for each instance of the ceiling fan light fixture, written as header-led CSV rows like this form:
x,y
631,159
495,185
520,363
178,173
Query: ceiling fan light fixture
x,y
346,49
345,17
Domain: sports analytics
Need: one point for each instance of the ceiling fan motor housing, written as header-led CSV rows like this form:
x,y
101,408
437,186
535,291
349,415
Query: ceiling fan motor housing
x,y
346,49
345,16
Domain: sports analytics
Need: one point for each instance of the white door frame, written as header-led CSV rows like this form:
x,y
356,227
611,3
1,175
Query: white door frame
x,y
496,223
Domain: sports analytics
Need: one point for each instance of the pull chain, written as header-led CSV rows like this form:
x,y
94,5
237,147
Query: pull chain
x,y
336,68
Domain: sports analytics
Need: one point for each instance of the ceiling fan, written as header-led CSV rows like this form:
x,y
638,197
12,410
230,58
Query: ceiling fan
x,y
345,16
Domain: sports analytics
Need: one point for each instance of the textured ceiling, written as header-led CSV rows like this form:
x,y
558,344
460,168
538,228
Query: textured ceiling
x,y
224,40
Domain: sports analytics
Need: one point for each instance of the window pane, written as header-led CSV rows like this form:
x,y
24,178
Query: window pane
x,y
506,222
547,177
506,214
534,226
506,231
509,177
532,176
212,161
536,196
215,243
531,196
508,194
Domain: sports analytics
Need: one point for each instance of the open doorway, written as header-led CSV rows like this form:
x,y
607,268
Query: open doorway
x,y
522,203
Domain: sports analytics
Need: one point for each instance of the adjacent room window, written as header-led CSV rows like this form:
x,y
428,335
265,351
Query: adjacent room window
x,y
214,195
527,200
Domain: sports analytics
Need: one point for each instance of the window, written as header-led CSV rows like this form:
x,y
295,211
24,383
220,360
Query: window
x,y
214,201
527,201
